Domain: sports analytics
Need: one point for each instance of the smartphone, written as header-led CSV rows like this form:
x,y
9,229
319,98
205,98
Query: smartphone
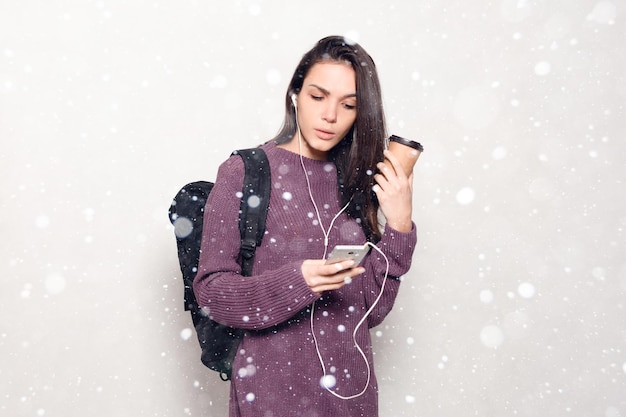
x,y
345,252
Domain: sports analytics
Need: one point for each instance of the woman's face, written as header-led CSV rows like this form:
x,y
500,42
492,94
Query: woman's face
x,y
326,108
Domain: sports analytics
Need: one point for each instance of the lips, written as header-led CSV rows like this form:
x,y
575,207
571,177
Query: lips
x,y
324,134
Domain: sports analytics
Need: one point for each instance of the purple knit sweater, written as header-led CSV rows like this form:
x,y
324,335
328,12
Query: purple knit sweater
x,y
277,371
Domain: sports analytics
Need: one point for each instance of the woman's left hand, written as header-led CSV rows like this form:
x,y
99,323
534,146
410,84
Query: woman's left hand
x,y
394,190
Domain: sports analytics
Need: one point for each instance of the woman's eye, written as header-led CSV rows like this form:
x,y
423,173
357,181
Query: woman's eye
x,y
316,98
349,106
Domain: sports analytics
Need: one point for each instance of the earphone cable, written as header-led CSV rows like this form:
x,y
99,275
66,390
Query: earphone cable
x,y
356,328
326,241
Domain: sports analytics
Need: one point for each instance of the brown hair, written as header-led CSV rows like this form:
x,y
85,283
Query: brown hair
x,y
357,154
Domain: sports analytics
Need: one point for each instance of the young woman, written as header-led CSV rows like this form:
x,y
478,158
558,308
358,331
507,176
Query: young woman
x,y
305,352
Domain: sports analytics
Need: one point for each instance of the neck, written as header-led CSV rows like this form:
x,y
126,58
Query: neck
x,y
300,147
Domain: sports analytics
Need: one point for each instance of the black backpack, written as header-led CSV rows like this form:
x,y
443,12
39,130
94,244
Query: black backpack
x,y
219,342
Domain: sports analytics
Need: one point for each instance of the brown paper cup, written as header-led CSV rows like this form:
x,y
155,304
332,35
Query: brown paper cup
x,y
407,151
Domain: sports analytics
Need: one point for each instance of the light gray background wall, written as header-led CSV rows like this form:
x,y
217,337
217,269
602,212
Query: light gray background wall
x,y
515,304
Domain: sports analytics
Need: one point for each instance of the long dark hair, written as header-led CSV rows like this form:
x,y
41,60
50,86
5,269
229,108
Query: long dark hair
x,y
358,152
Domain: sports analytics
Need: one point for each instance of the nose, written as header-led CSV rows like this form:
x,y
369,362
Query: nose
x,y
330,113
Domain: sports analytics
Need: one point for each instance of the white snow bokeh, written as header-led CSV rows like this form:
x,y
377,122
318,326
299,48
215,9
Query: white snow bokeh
x,y
186,333
542,68
491,336
351,36
328,381
465,196
515,299
486,296
42,221
273,76
182,227
55,283
604,12
526,290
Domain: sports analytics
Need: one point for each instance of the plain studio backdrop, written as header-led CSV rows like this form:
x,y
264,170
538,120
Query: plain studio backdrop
x,y
515,302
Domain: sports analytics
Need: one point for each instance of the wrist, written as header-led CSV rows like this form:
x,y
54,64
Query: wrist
x,y
402,226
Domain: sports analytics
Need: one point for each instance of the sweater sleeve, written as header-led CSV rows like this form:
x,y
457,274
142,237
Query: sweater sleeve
x,y
248,302
398,247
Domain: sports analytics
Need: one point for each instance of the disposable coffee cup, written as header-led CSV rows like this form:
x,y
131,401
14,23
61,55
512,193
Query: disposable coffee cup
x,y
407,151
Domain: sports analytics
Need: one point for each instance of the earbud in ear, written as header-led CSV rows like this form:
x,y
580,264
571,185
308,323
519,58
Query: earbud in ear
x,y
294,99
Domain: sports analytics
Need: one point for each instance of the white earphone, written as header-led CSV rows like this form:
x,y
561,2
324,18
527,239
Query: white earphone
x,y
326,233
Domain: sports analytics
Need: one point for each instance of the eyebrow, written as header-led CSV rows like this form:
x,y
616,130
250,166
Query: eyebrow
x,y
325,91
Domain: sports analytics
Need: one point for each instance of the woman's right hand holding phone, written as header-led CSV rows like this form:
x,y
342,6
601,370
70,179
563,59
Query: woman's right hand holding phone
x,y
321,276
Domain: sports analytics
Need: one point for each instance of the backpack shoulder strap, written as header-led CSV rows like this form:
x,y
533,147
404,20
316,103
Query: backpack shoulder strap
x,y
254,204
